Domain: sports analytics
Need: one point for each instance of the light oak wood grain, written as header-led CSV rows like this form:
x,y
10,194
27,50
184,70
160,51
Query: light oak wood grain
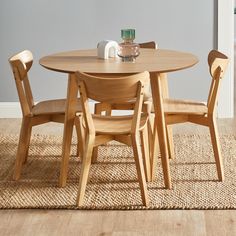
x,y
94,223
151,60
102,129
129,105
178,111
70,111
33,114
155,61
160,125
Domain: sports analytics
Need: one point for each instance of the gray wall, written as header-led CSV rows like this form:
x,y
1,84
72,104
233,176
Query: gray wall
x,y
47,27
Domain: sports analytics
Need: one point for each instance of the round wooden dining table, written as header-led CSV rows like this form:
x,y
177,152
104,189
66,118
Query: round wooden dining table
x,y
157,62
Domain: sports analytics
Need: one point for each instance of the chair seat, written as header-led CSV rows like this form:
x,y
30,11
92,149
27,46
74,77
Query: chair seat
x,y
57,106
116,125
174,106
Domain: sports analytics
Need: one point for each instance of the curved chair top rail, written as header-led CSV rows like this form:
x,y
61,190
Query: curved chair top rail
x,y
217,59
22,61
113,89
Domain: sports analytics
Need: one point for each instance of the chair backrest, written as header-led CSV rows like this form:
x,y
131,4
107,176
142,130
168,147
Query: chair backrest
x,y
112,90
150,44
218,63
21,64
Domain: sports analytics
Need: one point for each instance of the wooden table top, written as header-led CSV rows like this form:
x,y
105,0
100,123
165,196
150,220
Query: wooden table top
x,y
151,60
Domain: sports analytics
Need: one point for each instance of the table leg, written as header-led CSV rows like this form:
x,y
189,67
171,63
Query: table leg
x,y
165,94
72,93
161,127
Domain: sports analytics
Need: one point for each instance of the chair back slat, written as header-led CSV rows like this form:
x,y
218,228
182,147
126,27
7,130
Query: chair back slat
x,y
113,90
218,63
85,108
150,44
21,64
138,109
28,92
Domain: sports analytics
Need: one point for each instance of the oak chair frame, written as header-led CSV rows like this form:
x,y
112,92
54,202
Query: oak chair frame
x,y
181,111
129,105
100,129
33,114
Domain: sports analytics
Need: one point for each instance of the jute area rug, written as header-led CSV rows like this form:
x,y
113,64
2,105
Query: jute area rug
x,y
113,181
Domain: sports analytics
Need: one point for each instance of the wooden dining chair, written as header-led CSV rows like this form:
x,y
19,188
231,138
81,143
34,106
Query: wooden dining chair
x,y
129,105
180,111
33,114
126,105
102,129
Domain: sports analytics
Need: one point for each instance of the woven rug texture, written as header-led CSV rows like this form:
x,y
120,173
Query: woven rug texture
x,y
113,181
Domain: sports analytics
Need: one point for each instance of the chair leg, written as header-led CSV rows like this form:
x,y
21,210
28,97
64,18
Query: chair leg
x,y
146,153
99,108
80,136
95,155
108,111
85,169
22,147
78,149
27,144
216,148
155,152
170,142
140,169
150,127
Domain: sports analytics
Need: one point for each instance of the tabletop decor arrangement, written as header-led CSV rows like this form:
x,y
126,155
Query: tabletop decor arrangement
x,y
127,50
